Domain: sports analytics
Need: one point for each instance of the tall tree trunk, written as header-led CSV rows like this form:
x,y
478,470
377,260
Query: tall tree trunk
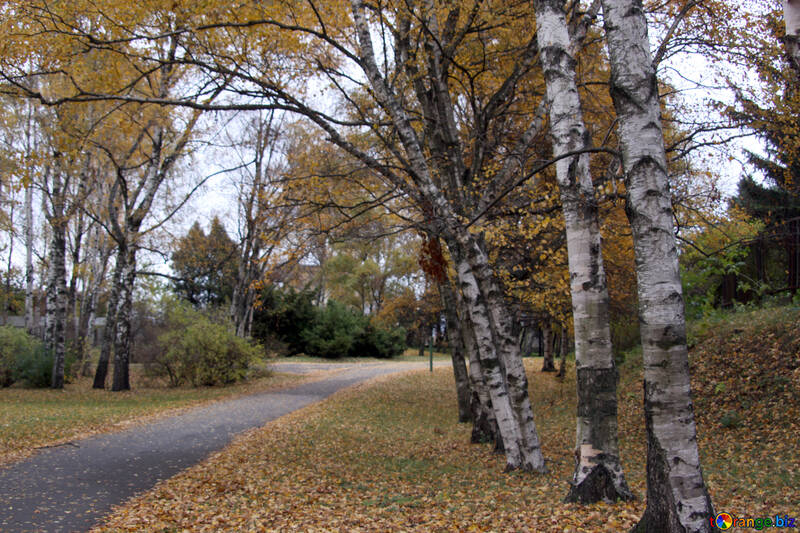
x,y
528,336
503,373
598,472
457,352
791,16
110,329
122,340
547,345
540,341
56,317
239,310
514,369
30,312
562,368
9,265
484,422
677,499
88,310
72,293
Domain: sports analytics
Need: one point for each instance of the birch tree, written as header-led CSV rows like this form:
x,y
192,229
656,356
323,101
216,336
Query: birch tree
x,y
677,498
137,181
437,99
791,17
598,471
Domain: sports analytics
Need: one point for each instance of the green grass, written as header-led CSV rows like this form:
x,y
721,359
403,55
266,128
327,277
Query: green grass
x,y
30,418
409,356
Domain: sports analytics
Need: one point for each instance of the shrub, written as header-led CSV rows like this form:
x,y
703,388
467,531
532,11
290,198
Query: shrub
x,y
22,358
332,335
201,352
35,368
379,342
284,316
332,332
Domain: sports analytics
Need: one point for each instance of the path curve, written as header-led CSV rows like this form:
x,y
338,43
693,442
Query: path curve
x,y
69,488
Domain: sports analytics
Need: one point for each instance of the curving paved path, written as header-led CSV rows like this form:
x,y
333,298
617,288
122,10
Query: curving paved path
x,y
69,488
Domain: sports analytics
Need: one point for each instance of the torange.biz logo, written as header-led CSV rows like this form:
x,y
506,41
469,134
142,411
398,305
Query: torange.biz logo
x,y
726,521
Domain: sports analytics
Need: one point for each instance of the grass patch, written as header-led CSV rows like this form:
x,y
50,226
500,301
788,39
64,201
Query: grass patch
x,y
30,418
409,356
389,457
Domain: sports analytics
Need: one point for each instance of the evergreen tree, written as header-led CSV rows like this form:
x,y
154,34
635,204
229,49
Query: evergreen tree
x,y
205,265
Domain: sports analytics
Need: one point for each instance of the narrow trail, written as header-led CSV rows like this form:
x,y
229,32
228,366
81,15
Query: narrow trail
x,y
70,487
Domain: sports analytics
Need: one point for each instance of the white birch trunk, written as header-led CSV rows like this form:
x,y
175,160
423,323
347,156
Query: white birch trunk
x,y
677,499
122,339
598,472
507,348
110,329
503,370
457,352
499,356
491,373
56,317
30,313
484,423
791,16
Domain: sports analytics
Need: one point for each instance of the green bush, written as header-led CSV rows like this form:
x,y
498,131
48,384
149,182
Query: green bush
x,y
35,368
380,342
332,335
201,352
332,332
22,358
284,316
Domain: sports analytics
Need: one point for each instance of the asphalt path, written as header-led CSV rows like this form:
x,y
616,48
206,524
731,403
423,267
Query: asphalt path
x,y
71,487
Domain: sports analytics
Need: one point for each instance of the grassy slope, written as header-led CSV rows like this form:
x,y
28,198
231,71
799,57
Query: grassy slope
x,y
388,457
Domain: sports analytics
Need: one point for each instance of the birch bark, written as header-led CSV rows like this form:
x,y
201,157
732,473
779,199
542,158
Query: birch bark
x,y
677,499
56,316
503,370
30,314
502,367
484,423
598,472
110,329
55,202
457,352
791,16
485,426
507,348
122,338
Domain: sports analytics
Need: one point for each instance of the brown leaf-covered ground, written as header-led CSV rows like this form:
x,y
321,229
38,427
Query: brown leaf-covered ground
x,y
388,457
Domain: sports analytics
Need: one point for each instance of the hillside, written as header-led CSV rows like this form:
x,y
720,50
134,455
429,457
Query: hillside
x,y
746,385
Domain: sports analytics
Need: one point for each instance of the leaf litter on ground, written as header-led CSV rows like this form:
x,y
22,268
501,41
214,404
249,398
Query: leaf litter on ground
x,y
387,456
